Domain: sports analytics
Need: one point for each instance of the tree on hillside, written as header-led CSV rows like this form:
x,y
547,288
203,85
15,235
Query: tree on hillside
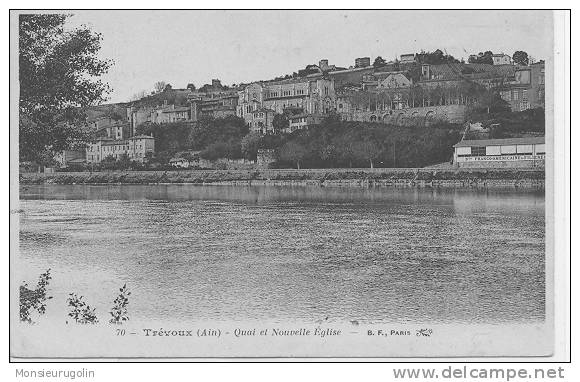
x,y
124,162
345,149
210,130
367,150
481,58
491,101
328,153
379,61
293,152
249,145
436,57
191,86
58,73
215,151
159,86
280,122
139,95
521,58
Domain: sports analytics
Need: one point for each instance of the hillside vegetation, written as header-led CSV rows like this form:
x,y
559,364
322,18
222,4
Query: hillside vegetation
x,y
334,143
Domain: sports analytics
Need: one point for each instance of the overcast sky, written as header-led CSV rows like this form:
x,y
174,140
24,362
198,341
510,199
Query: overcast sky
x,y
179,47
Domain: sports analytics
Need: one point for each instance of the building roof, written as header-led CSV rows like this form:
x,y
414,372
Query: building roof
x,y
501,142
142,136
288,81
120,142
176,109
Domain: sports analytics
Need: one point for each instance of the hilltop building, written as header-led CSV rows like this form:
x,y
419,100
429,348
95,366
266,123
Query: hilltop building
x,y
312,95
527,89
501,59
362,62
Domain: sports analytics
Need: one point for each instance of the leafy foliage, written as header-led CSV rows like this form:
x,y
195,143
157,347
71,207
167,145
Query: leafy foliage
x,y
521,58
362,144
210,130
379,61
217,150
159,86
34,298
435,58
481,58
250,145
119,311
280,122
214,137
81,312
513,124
293,151
59,71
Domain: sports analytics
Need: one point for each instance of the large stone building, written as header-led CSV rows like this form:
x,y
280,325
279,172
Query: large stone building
x,y
211,100
421,95
527,89
215,104
170,114
136,148
311,95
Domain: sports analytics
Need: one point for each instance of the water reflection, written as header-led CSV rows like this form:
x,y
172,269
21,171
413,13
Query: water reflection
x,y
282,253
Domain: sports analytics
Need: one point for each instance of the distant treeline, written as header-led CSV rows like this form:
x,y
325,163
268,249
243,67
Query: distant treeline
x,y
334,143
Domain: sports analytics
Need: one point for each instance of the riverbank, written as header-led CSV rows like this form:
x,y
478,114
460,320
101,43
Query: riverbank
x,y
383,177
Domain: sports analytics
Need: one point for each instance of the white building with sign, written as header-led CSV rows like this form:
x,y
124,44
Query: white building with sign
x,y
500,153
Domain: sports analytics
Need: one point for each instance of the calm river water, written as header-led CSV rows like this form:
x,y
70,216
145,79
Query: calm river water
x,y
289,253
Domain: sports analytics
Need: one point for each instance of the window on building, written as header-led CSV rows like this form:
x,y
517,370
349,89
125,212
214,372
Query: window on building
x,y
477,150
525,105
525,94
464,151
524,149
492,150
508,149
516,95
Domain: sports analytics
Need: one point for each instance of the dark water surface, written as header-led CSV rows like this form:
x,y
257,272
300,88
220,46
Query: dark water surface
x,y
290,253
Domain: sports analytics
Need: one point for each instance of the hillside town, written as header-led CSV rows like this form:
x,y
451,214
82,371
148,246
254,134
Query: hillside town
x,y
416,90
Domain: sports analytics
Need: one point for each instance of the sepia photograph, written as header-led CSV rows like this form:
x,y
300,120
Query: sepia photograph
x,y
281,183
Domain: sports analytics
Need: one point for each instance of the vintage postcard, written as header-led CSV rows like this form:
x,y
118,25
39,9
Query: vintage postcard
x,y
330,183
